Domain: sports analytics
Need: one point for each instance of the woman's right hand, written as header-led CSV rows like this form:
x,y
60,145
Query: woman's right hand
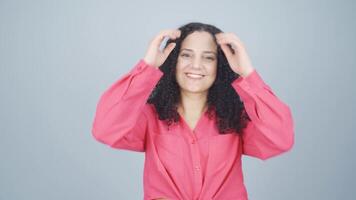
x,y
154,56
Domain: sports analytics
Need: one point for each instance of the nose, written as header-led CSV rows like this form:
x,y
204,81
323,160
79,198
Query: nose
x,y
197,62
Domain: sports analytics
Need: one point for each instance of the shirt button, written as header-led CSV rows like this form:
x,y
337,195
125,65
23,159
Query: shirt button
x,y
197,168
192,141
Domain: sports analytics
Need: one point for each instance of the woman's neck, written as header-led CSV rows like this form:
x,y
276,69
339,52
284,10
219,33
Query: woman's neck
x,y
192,104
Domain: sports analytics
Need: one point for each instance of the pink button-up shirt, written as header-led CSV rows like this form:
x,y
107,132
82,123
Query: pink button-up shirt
x,y
186,164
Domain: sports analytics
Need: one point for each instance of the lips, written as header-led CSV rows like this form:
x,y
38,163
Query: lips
x,y
194,76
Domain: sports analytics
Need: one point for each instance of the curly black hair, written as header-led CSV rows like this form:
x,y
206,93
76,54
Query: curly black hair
x,y
223,101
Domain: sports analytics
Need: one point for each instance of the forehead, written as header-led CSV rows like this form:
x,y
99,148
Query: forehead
x,y
199,41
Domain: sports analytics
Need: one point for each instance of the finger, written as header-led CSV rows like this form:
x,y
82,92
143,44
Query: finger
x,y
233,35
236,39
221,36
168,49
227,51
172,33
223,41
230,37
227,42
234,44
218,35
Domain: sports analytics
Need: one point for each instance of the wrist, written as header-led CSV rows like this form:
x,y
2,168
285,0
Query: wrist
x,y
148,62
247,72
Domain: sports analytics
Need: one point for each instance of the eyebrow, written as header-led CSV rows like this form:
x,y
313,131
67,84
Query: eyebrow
x,y
203,51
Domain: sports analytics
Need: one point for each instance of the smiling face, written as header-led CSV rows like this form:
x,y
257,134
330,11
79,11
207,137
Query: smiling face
x,y
197,63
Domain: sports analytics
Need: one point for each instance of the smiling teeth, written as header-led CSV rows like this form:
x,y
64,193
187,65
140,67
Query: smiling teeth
x,y
195,75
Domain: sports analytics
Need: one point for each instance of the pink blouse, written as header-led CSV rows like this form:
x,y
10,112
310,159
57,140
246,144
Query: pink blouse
x,y
185,164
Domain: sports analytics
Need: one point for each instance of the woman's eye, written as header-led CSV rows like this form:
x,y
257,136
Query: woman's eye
x,y
210,58
185,55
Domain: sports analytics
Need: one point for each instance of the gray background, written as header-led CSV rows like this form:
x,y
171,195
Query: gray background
x,y
57,57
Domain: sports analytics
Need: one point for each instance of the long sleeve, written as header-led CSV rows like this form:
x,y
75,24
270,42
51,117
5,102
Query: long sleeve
x,y
119,120
271,129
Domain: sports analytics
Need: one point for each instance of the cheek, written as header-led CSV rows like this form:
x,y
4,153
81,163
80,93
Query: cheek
x,y
178,70
183,61
212,79
212,70
212,75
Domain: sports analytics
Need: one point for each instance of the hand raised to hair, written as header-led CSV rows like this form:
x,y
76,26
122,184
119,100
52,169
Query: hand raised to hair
x,y
238,58
154,56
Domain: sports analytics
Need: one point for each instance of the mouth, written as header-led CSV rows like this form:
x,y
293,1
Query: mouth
x,y
194,76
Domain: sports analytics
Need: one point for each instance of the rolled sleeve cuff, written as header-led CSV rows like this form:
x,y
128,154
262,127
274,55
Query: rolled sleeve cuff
x,y
141,65
247,86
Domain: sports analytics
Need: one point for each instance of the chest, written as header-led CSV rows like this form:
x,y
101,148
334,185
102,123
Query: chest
x,y
191,122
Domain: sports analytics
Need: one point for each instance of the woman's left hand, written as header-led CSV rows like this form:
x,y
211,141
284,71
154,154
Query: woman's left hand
x,y
239,60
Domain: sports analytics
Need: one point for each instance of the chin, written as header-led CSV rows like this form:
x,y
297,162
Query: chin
x,y
195,90
190,87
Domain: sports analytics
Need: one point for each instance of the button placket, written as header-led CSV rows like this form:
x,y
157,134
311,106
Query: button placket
x,y
197,173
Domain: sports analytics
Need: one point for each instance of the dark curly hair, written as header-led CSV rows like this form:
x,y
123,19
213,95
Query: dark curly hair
x,y
223,102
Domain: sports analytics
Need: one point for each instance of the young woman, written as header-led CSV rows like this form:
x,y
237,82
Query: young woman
x,y
194,108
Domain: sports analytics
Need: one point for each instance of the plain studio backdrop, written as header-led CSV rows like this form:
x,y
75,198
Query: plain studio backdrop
x,y
57,57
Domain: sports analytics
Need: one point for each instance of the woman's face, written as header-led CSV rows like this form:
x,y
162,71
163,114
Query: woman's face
x,y
197,63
